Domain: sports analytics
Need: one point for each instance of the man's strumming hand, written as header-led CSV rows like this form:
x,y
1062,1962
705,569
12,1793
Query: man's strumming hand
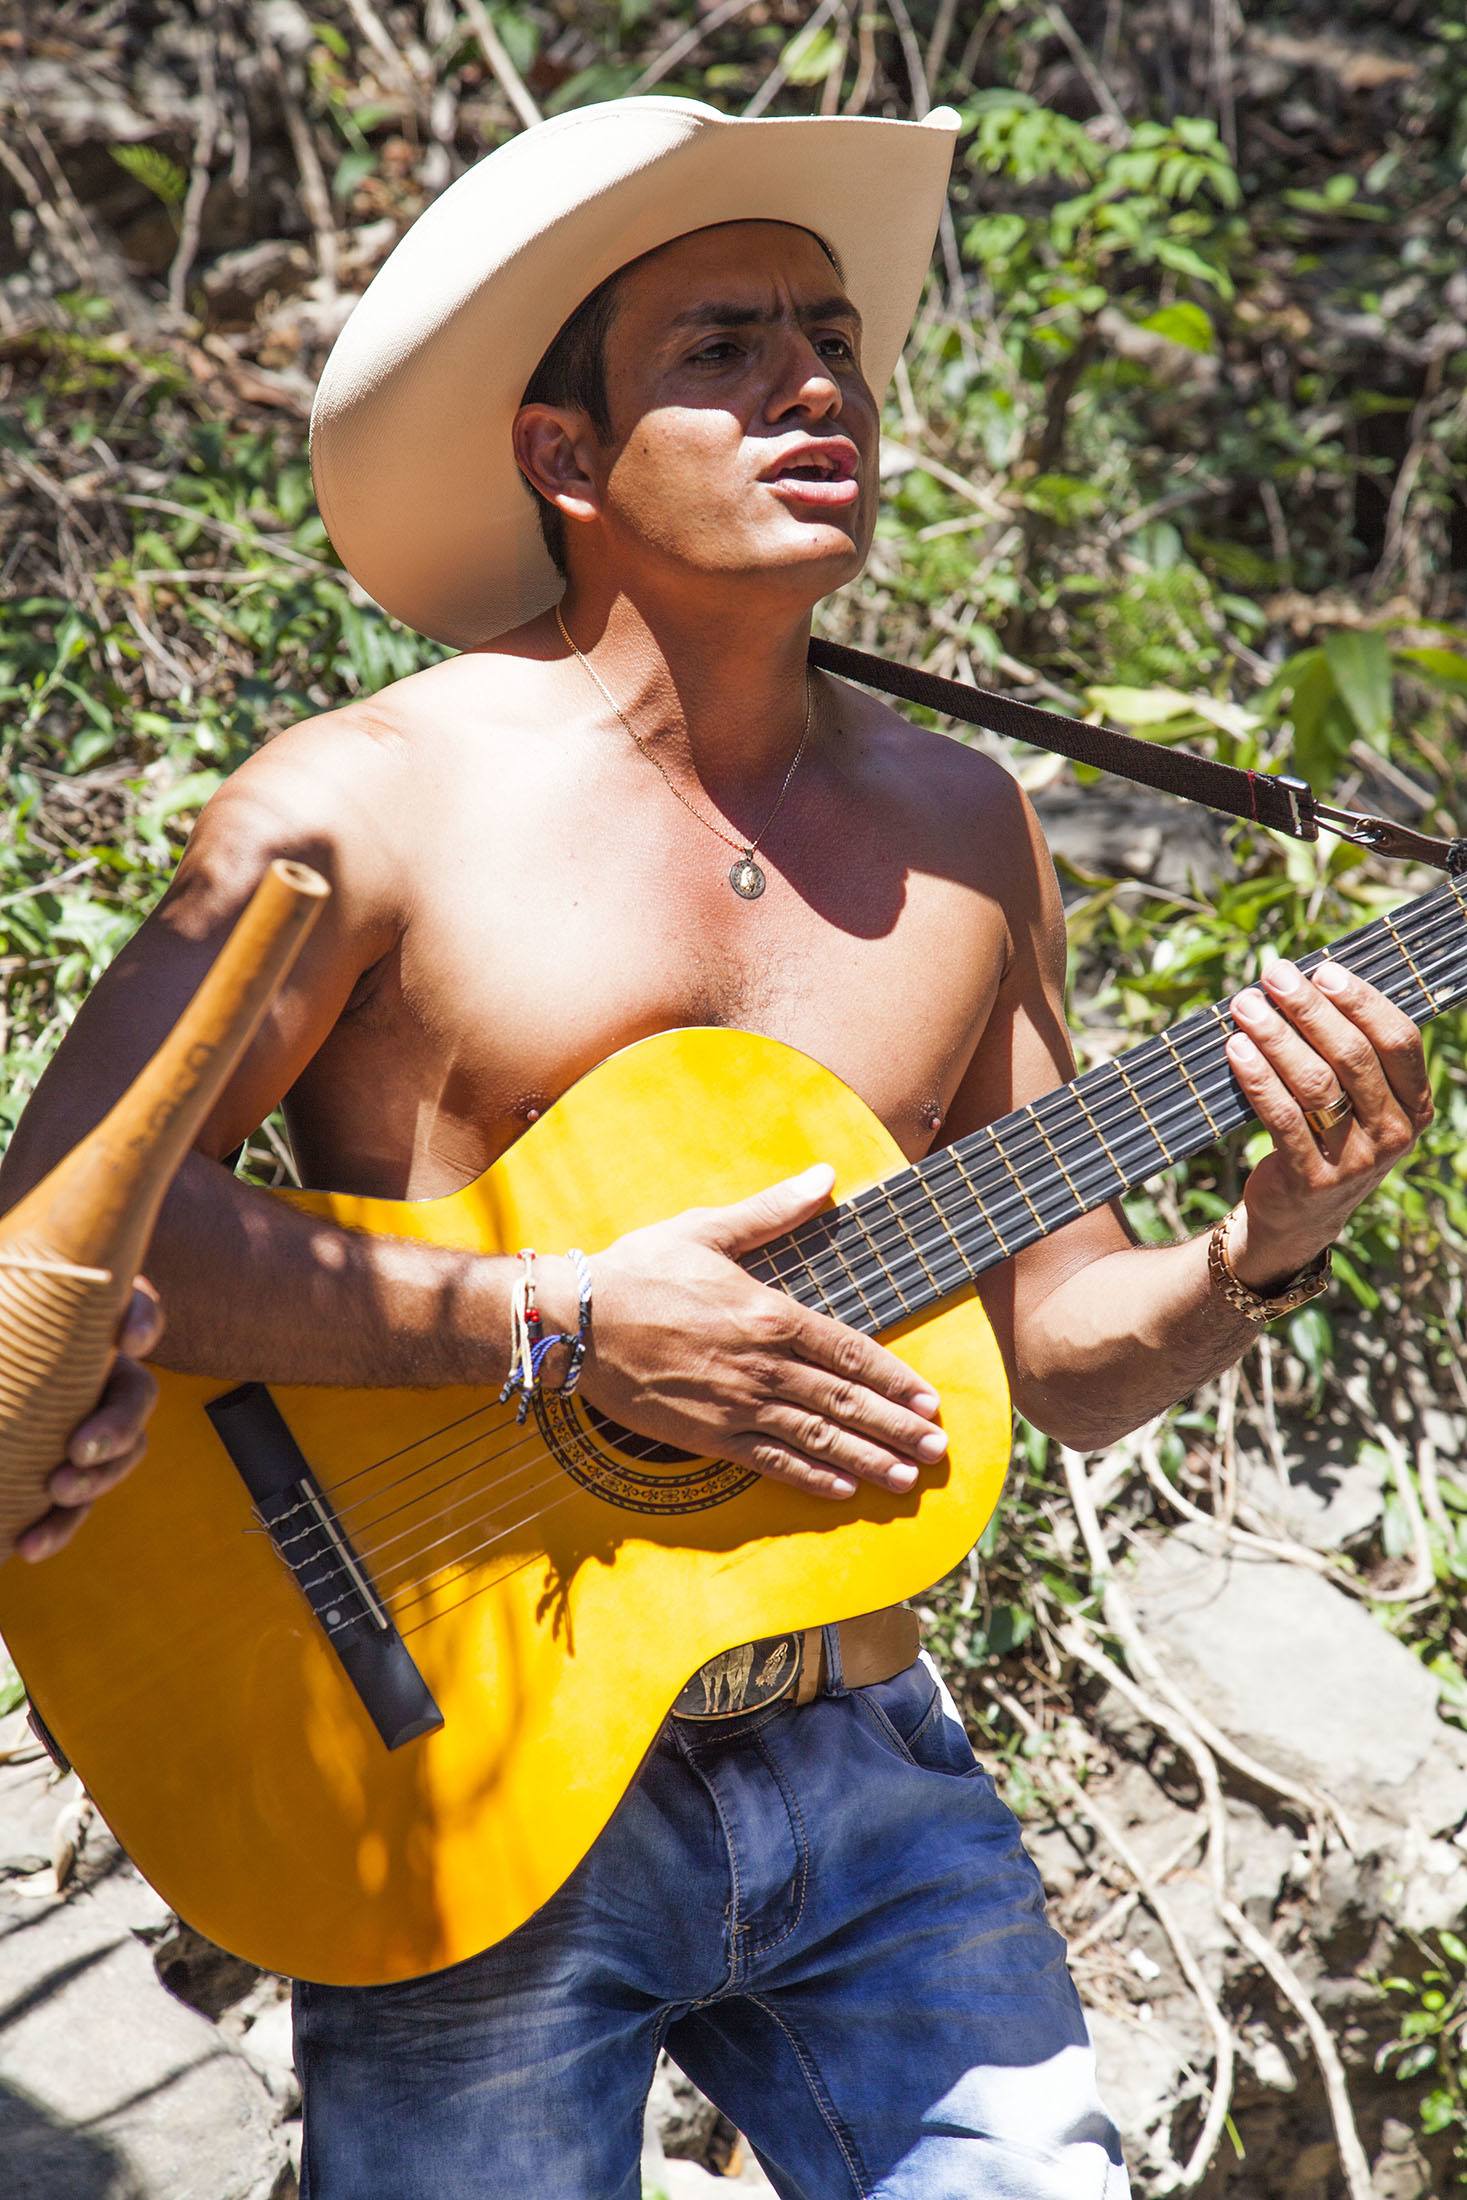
x,y
688,1348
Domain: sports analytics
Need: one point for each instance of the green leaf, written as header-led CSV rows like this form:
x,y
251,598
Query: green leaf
x,y
1446,668
1359,1287
521,37
1183,323
1361,664
1132,706
809,54
1010,1626
1183,260
1439,2111
351,169
1311,1335
189,793
994,238
155,171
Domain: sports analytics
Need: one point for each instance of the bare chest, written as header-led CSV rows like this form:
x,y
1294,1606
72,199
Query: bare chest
x,y
541,942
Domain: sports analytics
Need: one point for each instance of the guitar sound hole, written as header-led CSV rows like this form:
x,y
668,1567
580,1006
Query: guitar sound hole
x,y
640,1447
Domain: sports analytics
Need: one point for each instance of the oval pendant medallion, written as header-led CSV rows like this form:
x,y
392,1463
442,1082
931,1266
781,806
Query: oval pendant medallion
x,y
746,878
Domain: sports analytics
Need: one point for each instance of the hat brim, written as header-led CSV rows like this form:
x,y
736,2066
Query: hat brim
x,y
410,441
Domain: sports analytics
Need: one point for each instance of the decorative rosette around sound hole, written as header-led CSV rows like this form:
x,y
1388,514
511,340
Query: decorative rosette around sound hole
x,y
630,1470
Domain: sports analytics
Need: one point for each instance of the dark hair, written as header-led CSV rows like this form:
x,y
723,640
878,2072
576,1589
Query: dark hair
x,y
572,372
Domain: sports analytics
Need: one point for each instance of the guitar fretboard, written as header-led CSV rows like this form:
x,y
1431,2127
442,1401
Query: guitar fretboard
x,y
919,1234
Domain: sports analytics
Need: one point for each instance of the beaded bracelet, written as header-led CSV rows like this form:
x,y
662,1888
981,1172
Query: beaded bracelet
x,y
582,1268
524,1336
529,1349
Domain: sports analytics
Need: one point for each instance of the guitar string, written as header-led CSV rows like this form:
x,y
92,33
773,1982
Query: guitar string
x,y
1028,1140
1022,1139
367,1552
911,1250
421,1551
417,1592
1168,1056
1051,1205
947,1244
370,1553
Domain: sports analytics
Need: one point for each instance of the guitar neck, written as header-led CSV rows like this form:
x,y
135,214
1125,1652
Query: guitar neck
x,y
915,1236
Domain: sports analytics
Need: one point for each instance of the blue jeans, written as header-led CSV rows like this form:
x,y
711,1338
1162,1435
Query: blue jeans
x,y
824,1912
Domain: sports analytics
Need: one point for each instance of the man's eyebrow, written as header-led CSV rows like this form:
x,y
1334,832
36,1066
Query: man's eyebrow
x,y
728,313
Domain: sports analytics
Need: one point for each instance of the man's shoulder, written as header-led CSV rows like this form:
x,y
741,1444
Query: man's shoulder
x,y
937,771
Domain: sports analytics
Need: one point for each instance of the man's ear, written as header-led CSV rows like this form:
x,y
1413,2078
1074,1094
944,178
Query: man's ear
x,y
553,446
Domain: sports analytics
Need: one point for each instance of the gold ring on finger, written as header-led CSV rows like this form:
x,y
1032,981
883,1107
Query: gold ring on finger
x,y
1334,1111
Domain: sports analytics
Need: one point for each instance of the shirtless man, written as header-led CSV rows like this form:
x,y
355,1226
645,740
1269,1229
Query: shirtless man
x,y
824,1911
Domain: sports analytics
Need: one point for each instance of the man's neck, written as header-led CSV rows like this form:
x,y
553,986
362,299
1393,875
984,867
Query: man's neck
x,y
718,696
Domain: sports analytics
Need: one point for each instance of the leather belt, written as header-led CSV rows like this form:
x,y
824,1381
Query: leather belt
x,y
874,1647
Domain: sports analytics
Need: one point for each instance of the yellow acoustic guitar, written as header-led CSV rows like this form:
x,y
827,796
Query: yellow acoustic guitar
x,y
357,1677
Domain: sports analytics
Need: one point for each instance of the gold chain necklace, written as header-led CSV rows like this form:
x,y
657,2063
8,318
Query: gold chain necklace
x,y
745,876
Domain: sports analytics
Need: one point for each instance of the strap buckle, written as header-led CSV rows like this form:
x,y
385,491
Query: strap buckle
x,y
1384,837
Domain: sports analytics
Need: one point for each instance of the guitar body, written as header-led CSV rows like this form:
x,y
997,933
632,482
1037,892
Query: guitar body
x,y
553,1585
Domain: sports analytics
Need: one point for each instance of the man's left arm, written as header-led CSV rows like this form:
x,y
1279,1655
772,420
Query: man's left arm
x,y
1100,1333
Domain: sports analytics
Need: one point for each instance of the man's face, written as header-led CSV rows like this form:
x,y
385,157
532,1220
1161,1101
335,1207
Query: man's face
x,y
743,433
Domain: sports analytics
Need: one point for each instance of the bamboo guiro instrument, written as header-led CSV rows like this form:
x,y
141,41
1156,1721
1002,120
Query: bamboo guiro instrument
x,y
70,1249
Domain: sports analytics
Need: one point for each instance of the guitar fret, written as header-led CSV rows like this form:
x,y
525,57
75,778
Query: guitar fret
x,y
993,1229
891,1283
1426,993
906,1233
820,1291
1100,1134
1058,1157
1013,1172
1140,1105
1192,1087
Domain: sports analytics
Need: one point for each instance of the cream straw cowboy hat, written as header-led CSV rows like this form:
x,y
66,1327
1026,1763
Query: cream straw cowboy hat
x,y
410,430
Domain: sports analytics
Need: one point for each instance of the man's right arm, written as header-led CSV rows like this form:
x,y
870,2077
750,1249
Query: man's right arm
x,y
685,1346
254,1288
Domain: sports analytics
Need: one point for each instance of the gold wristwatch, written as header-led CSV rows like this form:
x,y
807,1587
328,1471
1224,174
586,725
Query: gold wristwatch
x,y
1297,1291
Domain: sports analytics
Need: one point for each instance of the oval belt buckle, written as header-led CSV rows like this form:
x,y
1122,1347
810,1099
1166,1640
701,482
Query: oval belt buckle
x,y
743,1679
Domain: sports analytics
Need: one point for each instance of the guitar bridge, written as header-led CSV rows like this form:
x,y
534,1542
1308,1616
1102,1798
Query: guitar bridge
x,y
309,1537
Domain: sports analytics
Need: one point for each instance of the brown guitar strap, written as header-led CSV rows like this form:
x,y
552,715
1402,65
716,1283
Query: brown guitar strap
x,y
1275,799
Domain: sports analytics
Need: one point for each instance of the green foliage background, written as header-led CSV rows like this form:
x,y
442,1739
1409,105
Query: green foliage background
x,y
1178,440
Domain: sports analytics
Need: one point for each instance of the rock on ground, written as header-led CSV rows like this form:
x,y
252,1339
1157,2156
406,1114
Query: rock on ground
x,y
1295,1670
691,2148
110,2089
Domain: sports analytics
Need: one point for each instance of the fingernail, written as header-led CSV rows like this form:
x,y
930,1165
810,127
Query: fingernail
x,y
926,1401
1331,978
901,1478
842,1487
1241,1049
1249,1002
933,1444
1283,977
89,1452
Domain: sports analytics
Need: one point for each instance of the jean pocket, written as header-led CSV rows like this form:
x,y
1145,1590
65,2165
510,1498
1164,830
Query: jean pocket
x,y
913,1713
